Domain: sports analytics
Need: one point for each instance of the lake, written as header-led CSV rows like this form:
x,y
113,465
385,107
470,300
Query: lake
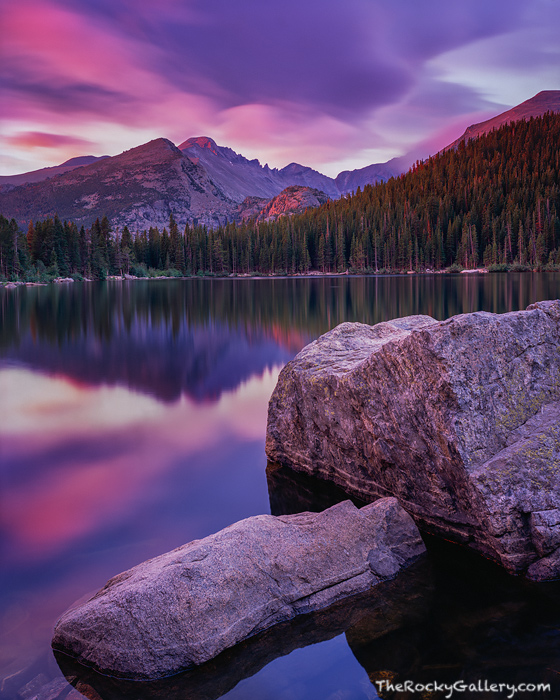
x,y
133,417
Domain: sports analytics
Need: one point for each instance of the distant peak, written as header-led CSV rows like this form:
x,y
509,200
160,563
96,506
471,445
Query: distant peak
x,y
155,146
83,160
201,142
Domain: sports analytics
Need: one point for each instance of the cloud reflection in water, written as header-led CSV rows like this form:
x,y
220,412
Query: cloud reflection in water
x,y
96,479
77,457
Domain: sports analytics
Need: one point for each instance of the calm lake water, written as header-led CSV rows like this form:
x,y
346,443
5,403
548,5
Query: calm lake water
x,y
132,420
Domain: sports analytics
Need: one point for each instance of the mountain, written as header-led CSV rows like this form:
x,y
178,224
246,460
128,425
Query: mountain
x,y
139,188
239,178
199,182
8,182
545,101
349,180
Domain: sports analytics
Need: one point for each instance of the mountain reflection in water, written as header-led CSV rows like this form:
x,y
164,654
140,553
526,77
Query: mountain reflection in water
x,y
133,421
201,337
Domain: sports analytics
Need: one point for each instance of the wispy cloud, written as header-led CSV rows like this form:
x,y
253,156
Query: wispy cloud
x,y
320,82
41,139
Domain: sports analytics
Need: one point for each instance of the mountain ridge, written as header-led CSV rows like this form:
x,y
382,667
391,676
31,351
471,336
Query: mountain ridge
x,y
539,104
9,182
198,181
240,177
138,188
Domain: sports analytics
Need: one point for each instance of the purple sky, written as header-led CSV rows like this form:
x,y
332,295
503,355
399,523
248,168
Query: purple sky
x,y
334,84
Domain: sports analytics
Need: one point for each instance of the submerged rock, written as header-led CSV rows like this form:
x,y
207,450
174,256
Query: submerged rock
x,y
388,612
185,607
459,419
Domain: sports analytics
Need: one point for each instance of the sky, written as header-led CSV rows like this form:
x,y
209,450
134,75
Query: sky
x,y
332,84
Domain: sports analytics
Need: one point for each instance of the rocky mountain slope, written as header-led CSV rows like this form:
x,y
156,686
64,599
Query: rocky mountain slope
x,y
8,182
239,178
139,188
545,101
143,186
292,200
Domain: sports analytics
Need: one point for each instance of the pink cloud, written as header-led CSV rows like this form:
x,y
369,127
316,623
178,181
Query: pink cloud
x,y
253,76
63,63
40,139
54,42
283,133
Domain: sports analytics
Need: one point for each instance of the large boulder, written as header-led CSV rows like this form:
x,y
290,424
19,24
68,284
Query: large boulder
x,y
459,419
392,616
185,607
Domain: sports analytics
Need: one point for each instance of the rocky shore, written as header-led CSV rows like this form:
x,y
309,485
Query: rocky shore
x,y
459,420
185,607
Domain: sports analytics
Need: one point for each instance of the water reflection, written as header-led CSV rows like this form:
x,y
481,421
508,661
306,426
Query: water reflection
x,y
133,421
94,480
201,337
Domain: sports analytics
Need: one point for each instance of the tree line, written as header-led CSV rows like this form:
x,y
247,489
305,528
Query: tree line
x,y
493,201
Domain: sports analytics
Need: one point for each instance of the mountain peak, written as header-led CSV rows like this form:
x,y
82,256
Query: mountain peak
x,y
201,142
157,149
157,144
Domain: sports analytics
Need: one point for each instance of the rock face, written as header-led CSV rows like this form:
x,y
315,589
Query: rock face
x,y
459,419
292,200
185,607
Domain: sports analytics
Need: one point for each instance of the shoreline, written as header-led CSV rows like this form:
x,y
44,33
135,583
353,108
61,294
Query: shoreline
x,y
13,284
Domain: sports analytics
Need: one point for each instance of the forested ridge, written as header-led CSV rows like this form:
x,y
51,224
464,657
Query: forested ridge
x,y
493,202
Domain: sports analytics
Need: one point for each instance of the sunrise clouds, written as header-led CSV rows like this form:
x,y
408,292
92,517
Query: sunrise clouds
x,y
335,85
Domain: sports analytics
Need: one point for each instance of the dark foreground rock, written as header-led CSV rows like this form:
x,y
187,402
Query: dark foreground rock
x,y
400,604
459,419
185,607
451,615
